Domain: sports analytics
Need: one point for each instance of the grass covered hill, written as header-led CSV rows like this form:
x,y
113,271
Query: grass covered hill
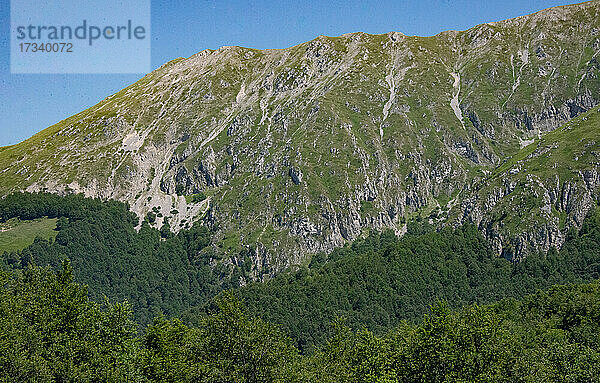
x,y
301,150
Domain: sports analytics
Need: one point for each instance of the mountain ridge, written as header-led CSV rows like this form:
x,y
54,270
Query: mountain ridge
x,y
295,151
344,35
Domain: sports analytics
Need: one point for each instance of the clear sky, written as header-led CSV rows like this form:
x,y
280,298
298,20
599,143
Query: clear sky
x,y
180,28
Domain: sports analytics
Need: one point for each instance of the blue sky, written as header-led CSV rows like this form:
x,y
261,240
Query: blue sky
x,y
32,102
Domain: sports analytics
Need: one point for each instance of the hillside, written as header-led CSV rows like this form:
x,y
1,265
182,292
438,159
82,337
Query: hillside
x,y
287,153
374,282
531,200
380,281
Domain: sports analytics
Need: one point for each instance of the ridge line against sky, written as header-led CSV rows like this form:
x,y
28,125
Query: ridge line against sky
x,y
30,103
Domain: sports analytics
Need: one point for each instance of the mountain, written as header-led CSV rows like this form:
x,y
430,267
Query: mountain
x,y
296,151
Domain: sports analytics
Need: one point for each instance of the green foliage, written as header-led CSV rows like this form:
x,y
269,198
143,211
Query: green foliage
x,y
510,341
50,331
157,271
383,286
151,217
198,197
227,346
375,282
28,206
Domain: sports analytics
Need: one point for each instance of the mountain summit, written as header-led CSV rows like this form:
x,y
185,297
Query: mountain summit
x,y
290,152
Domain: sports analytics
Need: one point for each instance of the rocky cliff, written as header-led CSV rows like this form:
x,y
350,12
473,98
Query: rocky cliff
x,y
295,151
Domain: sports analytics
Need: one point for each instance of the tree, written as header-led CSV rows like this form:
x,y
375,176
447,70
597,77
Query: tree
x,y
50,331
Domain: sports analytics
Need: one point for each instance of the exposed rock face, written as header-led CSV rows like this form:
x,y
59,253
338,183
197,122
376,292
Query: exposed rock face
x,y
530,201
302,149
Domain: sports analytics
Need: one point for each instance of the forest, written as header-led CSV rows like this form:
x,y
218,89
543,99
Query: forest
x,y
106,302
155,270
51,332
381,280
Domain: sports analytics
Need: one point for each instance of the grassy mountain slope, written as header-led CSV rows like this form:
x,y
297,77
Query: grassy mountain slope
x,y
301,149
16,235
548,186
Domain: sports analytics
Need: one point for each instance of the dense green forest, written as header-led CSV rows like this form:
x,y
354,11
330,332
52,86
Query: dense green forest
x,y
51,332
156,271
375,282
432,306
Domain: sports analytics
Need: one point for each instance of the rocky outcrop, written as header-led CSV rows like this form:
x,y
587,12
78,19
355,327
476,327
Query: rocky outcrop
x,y
301,150
532,201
